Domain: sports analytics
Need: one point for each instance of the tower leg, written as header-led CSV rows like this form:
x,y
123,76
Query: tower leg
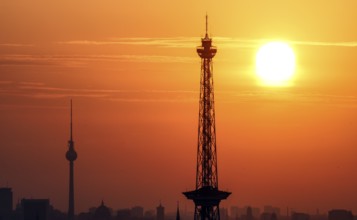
x,y
207,213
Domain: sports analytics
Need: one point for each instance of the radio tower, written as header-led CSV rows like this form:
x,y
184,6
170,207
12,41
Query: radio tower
x,y
207,196
71,156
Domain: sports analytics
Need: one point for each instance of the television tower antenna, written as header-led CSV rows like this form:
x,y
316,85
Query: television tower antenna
x,y
71,156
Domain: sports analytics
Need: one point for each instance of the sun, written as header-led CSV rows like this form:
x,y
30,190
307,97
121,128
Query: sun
x,y
275,64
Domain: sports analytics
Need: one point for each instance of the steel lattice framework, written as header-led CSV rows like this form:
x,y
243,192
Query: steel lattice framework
x,y
207,196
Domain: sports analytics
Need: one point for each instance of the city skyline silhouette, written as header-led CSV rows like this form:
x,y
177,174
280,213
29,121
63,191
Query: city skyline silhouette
x,y
133,74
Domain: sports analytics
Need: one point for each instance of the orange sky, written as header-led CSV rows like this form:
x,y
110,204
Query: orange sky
x,y
132,71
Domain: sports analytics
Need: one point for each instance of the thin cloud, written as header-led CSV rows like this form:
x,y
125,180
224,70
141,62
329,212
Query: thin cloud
x,y
39,90
235,42
64,95
321,43
38,106
32,83
190,42
151,100
16,45
81,60
293,97
30,60
184,42
78,61
43,87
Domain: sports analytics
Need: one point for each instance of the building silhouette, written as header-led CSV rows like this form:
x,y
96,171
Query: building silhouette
x,y
149,214
234,212
272,209
71,156
5,203
241,212
35,209
300,216
160,212
340,214
268,216
207,195
178,212
223,213
250,213
123,214
137,212
102,212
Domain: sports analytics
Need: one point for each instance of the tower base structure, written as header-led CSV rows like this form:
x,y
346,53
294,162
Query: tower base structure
x,y
207,201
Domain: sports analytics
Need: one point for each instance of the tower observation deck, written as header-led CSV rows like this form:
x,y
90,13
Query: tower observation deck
x,y
206,196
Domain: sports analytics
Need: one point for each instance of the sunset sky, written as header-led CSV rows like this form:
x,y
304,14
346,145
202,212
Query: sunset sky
x,y
133,73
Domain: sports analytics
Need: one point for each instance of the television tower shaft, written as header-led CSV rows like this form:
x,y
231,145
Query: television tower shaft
x,y
71,156
207,196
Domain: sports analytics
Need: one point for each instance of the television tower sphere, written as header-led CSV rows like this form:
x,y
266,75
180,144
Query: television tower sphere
x,y
71,154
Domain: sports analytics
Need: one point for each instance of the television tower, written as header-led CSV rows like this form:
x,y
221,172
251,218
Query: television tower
x,y
206,196
71,156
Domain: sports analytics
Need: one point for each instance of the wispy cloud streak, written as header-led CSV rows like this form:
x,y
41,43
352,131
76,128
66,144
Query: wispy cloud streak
x,y
80,60
321,43
189,42
15,45
74,60
184,42
41,91
38,90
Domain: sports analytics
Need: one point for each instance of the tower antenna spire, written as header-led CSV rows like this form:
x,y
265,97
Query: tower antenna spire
x,y
71,124
206,24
